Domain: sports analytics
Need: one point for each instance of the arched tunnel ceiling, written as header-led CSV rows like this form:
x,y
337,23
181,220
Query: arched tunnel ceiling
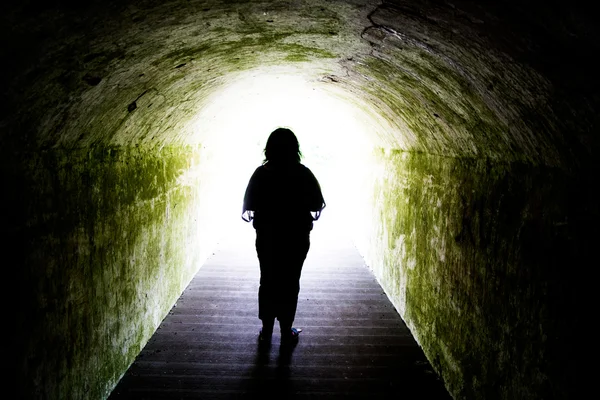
x,y
505,80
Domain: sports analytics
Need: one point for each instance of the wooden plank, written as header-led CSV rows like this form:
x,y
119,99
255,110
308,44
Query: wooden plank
x,y
353,345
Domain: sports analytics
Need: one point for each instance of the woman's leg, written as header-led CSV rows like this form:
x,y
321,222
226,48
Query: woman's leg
x,y
293,260
281,257
267,291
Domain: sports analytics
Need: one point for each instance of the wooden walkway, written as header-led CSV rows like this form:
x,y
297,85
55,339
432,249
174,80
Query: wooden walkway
x,y
353,345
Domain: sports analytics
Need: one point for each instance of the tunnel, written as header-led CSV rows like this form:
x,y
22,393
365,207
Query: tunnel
x,y
461,137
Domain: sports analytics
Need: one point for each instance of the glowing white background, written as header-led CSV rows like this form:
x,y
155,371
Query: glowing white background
x,y
234,126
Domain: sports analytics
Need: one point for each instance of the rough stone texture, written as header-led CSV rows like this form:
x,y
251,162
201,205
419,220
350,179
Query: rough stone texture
x,y
493,104
456,78
104,240
473,254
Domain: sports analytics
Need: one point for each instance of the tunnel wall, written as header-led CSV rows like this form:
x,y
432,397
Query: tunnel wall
x,y
478,258
106,239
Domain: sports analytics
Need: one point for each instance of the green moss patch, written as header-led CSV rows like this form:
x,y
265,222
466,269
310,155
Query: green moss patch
x,y
101,237
473,253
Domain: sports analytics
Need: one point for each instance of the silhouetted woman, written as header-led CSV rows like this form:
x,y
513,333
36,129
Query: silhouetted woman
x,y
283,198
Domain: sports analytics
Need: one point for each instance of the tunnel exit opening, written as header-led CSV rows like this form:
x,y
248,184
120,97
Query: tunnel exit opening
x,y
335,134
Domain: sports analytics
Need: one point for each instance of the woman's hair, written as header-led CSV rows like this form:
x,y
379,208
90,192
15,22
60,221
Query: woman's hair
x,y
282,147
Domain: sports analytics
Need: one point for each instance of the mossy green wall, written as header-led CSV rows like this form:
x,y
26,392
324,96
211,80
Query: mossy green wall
x,y
102,242
478,258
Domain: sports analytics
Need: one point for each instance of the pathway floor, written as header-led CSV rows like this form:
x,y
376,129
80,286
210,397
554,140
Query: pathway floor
x,y
353,344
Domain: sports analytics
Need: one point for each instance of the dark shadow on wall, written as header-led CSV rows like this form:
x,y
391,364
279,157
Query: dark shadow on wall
x,y
95,236
502,265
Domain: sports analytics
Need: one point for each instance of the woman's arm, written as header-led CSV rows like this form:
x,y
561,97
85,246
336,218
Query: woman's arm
x,y
251,197
316,202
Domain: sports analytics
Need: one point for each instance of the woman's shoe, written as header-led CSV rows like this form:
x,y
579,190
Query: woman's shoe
x,y
264,337
291,336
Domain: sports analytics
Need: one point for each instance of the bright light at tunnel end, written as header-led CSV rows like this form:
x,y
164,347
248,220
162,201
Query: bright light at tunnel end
x,y
236,121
